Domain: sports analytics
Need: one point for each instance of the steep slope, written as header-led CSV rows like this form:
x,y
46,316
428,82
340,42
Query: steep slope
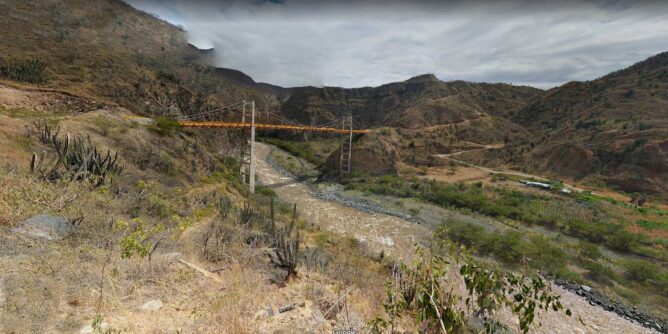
x,y
615,127
430,117
110,51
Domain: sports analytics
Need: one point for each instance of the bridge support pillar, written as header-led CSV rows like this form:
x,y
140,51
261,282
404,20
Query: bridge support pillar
x,y
346,146
251,178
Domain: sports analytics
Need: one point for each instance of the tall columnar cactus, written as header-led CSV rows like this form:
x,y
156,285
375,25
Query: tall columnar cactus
x,y
61,147
286,251
44,131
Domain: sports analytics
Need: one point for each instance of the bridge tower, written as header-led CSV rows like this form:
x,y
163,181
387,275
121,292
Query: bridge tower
x,y
247,150
346,146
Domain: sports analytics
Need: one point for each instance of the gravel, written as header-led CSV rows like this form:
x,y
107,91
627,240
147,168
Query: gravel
x,y
593,297
627,312
333,194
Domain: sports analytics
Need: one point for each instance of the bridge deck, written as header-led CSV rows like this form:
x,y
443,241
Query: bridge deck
x,y
261,126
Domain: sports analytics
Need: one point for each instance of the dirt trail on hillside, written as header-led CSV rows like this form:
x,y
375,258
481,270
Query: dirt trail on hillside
x,y
398,237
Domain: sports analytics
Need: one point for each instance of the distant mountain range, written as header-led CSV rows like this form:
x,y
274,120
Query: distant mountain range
x,y
612,130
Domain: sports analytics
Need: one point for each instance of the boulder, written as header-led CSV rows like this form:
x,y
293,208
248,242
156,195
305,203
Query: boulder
x,y
45,227
152,305
585,288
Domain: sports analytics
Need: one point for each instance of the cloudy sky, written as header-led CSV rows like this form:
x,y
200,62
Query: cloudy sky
x,y
368,43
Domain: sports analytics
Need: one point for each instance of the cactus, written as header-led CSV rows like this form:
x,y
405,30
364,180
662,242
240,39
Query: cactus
x,y
44,131
246,215
79,157
61,147
286,251
85,162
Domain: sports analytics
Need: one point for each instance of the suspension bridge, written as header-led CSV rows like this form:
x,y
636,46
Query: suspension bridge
x,y
234,117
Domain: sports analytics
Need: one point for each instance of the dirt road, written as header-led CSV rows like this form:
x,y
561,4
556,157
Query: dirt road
x,y
397,236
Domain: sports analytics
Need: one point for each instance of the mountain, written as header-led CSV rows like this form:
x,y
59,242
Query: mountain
x,y
611,131
425,116
109,51
418,102
614,128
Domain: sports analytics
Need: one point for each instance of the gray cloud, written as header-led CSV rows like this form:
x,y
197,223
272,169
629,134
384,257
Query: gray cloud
x,y
367,43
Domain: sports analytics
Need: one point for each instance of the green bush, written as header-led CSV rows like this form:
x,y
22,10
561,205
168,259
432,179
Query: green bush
x,y
296,149
589,251
640,271
265,191
621,240
599,272
166,126
544,255
464,233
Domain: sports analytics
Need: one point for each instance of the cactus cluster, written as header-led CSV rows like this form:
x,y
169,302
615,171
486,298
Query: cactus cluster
x,y
246,215
84,162
38,165
79,158
286,251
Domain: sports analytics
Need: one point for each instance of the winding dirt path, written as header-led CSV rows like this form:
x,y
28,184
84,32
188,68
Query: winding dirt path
x,y
398,237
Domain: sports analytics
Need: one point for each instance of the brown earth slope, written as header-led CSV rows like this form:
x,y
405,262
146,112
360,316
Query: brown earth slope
x,y
615,127
422,101
108,50
426,116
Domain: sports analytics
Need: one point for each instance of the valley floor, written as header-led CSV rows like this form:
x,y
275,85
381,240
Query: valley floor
x,y
399,236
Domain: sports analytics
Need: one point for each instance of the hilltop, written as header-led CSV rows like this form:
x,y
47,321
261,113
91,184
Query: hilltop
x,y
109,51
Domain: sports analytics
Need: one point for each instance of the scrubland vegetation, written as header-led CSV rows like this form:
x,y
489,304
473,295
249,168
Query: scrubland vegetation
x,y
581,237
175,223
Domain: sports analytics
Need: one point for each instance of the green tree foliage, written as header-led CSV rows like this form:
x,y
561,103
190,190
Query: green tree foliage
x,y
423,291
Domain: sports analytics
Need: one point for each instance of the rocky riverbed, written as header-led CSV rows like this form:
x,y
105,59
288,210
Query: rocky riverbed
x,y
627,312
595,312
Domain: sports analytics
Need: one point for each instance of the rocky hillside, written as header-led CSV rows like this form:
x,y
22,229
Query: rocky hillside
x,y
421,101
415,118
107,50
611,131
614,127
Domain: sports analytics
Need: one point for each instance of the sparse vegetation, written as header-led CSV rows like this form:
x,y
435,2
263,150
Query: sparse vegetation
x,y
166,126
25,70
79,158
295,148
419,291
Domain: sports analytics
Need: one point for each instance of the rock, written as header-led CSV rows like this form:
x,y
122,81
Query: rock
x,y
265,313
301,303
286,308
88,329
152,305
278,276
585,288
45,227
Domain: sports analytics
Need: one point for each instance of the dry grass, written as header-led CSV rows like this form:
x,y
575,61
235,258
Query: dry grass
x,y
60,286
